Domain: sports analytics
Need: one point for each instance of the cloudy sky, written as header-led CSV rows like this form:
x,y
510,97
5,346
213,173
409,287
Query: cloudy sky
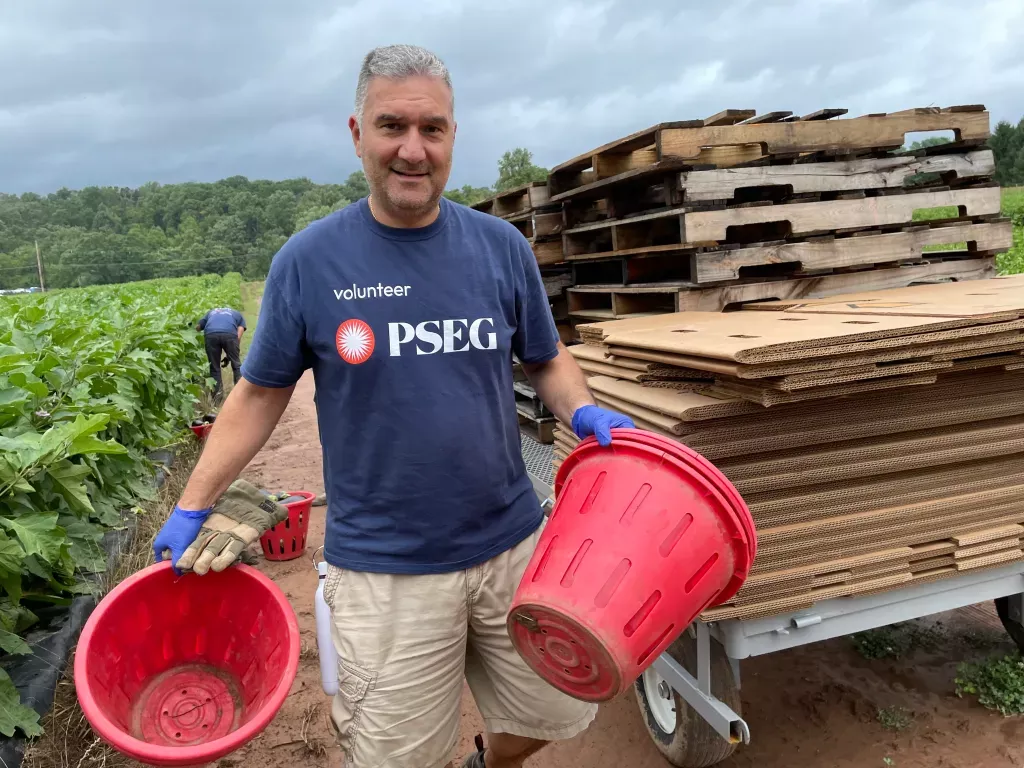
x,y
121,93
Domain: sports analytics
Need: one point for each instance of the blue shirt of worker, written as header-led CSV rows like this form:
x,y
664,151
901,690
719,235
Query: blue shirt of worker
x,y
222,320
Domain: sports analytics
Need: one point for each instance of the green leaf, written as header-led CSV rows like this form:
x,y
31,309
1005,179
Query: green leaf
x,y
39,535
13,714
90,444
11,555
13,644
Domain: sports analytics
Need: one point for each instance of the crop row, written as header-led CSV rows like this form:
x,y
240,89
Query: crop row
x,y
91,381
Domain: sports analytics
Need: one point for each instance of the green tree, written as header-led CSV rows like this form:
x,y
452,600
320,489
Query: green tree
x,y
516,168
356,186
468,194
1007,143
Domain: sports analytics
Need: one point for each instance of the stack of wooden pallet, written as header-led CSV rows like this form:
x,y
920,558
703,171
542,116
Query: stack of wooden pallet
x,y
878,437
709,214
742,207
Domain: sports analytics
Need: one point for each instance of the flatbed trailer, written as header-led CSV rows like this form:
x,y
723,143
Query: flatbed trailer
x,y
689,697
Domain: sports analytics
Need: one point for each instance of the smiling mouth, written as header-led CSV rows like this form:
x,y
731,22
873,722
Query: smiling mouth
x,y
410,174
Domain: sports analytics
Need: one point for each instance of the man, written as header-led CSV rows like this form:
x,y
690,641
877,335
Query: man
x,y
408,308
222,328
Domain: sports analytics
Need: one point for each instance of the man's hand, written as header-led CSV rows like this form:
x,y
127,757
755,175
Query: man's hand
x,y
178,533
592,420
239,518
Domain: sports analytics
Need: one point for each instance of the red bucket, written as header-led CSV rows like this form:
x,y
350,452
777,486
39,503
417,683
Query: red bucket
x,y
645,535
287,539
201,430
182,670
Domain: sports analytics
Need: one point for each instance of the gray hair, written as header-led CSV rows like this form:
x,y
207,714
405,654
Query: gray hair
x,y
398,62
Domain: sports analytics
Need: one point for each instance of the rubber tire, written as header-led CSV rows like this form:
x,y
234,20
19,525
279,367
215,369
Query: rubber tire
x,y
693,743
1014,630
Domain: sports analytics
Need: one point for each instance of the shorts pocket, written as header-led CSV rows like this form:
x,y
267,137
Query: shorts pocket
x,y
354,683
331,583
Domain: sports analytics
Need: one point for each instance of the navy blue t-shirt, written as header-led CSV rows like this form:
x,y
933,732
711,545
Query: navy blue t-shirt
x,y
222,320
410,335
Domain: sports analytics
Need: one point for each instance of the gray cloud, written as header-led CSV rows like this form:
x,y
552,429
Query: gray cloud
x,y
116,93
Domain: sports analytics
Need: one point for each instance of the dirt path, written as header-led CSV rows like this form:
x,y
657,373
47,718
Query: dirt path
x,y
816,706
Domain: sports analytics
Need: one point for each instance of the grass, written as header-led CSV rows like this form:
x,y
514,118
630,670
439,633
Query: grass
x,y
896,641
998,683
895,718
68,740
1012,262
252,293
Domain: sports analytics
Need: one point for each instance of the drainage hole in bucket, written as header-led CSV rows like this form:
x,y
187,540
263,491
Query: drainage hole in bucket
x,y
184,692
565,670
205,726
177,735
166,713
543,631
208,699
539,649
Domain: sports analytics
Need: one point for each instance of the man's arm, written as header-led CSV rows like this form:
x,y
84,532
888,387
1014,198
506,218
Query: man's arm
x,y
560,384
243,426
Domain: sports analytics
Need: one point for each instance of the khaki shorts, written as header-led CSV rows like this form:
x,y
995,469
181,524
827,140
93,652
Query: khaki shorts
x,y
404,644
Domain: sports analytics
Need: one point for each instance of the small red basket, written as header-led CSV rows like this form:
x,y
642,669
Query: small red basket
x,y
201,430
287,539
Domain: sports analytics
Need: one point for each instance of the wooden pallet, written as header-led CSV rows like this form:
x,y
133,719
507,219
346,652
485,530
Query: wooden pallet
x,y
547,252
516,201
616,303
861,249
836,176
534,224
542,430
781,183
527,401
717,298
671,145
683,227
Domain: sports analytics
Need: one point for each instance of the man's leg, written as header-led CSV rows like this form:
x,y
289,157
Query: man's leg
x,y
213,355
232,351
521,711
401,643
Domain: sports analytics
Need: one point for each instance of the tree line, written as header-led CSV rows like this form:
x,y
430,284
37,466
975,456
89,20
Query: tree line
x,y
100,235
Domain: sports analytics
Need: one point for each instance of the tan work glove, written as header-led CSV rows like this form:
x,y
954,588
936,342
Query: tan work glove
x,y
238,519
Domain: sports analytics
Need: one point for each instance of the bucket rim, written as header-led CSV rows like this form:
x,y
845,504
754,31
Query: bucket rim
x,y
201,753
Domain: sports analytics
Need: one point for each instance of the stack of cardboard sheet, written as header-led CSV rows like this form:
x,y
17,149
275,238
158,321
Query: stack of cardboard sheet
x,y
878,438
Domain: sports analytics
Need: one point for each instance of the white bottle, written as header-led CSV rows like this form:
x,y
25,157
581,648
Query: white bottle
x,y
325,645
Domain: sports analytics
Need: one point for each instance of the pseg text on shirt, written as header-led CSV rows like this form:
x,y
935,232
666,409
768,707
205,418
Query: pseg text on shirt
x,y
371,292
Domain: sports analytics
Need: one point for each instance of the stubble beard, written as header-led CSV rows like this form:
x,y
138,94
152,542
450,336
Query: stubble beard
x,y
383,198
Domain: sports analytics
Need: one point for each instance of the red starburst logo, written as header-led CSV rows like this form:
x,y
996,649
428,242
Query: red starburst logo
x,y
354,341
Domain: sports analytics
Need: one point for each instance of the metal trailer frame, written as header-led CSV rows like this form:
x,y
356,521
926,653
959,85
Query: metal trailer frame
x,y
743,638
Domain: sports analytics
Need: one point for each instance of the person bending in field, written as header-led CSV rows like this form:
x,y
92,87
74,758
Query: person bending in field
x,y
408,308
222,329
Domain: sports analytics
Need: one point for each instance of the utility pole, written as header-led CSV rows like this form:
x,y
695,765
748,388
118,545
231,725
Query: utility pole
x,y
39,264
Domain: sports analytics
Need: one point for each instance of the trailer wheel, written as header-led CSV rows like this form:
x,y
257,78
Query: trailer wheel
x,y
1013,629
680,734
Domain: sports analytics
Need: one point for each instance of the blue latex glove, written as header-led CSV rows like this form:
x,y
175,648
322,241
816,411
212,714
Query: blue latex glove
x,y
591,420
180,530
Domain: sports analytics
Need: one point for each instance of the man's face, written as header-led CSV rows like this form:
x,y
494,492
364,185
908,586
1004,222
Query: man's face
x,y
406,142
